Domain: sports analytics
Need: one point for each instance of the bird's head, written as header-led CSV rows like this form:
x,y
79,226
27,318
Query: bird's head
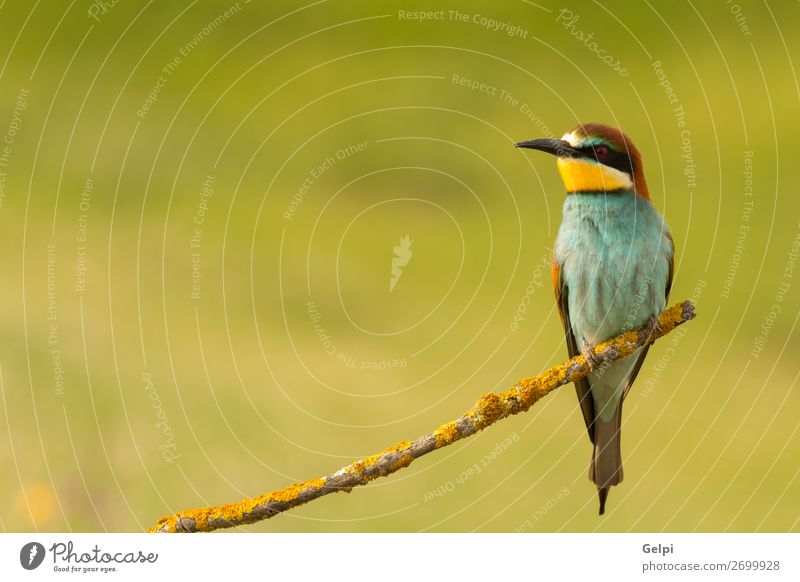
x,y
595,158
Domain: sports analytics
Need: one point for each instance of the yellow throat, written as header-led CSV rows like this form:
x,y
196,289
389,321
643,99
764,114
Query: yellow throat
x,y
581,175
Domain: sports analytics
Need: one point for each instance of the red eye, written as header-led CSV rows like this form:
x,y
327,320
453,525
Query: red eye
x,y
601,151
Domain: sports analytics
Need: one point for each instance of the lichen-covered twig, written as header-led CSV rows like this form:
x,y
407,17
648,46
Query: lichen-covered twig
x,y
489,409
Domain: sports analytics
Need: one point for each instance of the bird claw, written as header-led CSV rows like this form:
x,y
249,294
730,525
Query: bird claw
x,y
594,360
653,326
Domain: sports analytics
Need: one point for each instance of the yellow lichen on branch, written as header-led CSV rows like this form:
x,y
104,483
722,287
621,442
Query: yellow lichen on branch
x,y
489,408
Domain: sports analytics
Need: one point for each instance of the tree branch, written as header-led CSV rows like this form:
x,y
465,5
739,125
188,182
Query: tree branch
x,y
489,409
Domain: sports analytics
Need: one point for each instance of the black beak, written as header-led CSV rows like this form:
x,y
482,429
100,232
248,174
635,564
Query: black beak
x,y
557,147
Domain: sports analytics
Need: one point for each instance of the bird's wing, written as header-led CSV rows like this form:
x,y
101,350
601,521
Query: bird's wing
x,y
582,386
671,267
640,358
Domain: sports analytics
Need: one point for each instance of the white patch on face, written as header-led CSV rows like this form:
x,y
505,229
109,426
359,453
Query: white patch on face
x,y
571,139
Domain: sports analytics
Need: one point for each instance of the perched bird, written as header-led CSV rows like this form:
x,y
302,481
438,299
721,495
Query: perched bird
x,y
612,271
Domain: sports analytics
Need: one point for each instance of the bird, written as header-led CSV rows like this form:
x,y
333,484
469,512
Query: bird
x,y
612,269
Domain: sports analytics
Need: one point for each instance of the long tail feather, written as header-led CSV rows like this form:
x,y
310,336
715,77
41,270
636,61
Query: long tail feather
x,y
602,493
606,467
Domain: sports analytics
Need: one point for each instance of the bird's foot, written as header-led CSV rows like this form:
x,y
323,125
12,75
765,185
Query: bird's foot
x,y
652,326
587,349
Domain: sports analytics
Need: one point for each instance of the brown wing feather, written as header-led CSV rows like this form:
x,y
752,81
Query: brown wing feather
x,y
582,386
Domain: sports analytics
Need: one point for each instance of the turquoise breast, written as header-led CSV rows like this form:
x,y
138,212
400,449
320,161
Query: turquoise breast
x,y
615,254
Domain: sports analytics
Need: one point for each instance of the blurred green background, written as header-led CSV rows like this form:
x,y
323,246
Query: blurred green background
x,y
199,207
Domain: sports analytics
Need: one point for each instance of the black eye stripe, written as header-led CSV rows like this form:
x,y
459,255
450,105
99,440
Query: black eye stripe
x,y
614,159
